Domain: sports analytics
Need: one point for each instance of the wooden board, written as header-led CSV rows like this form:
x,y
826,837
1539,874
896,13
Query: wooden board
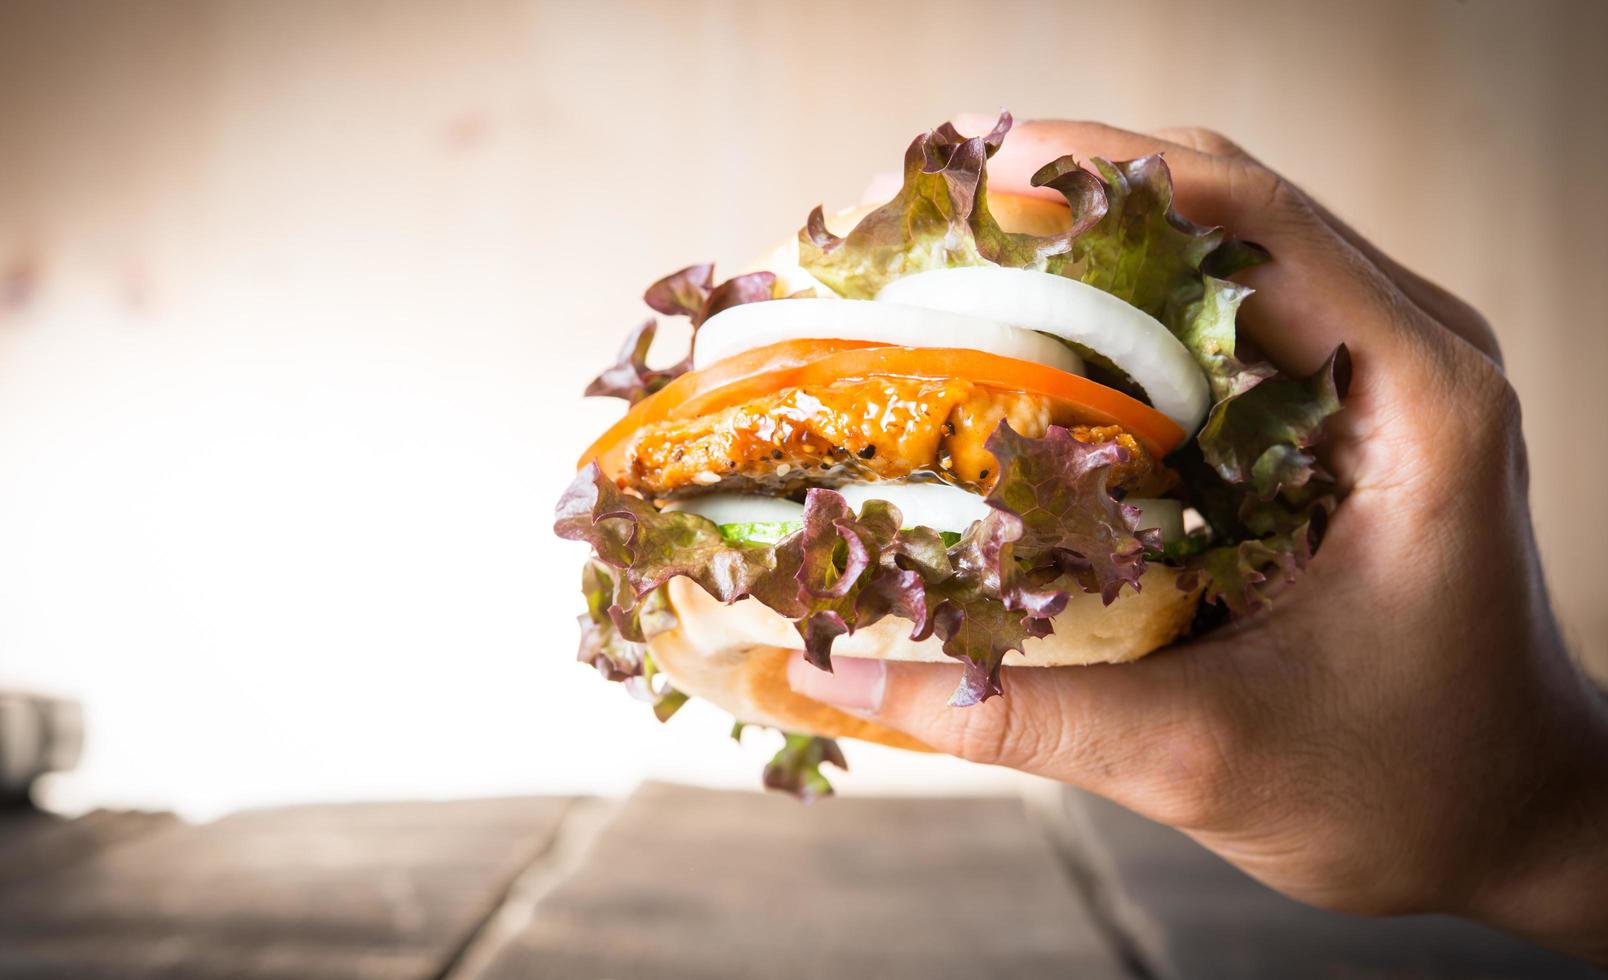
x,y
688,883
677,882
1198,917
370,891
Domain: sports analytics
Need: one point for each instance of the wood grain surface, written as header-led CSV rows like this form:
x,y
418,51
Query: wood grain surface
x,y
687,883
680,882
364,891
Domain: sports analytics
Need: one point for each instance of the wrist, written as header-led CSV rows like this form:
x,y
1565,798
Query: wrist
x,y
1548,886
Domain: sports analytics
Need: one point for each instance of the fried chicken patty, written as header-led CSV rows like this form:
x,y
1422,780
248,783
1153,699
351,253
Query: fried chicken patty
x,y
863,430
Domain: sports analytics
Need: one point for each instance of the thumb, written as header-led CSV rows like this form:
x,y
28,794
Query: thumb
x,y
1153,735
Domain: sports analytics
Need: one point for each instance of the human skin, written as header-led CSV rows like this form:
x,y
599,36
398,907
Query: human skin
x,y
1404,731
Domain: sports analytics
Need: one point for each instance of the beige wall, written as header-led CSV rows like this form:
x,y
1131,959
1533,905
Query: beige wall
x,y
345,265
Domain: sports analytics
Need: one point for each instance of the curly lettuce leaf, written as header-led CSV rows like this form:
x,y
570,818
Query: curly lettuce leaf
x,y
1141,249
654,688
796,767
1242,576
629,377
618,624
835,557
1055,489
923,227
652,546
689,292
977,629
1258,437
683,292
1206,326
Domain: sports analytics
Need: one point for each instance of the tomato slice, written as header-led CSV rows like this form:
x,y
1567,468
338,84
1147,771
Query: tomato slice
x,y
797,363
658,406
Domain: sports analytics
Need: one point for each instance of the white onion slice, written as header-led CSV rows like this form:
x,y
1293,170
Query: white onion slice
x,y
740,508
935,505
1135,341
752,325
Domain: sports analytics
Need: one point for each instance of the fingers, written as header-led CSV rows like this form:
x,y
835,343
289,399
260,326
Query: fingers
x,y
1308,297
1218,182
1140,733
1445,308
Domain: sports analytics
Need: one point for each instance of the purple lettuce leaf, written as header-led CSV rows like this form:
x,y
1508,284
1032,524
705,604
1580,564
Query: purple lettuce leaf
x,y
1056,489
652,546
796,767
691,292
925,226
682,293
615,630
630,377
618,623
1242,576
688,292
1141,249
835,559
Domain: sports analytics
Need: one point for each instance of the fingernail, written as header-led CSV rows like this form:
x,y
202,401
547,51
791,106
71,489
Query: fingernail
x,y
853,685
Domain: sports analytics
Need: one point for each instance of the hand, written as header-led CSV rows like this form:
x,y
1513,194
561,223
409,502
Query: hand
x,y
1404,730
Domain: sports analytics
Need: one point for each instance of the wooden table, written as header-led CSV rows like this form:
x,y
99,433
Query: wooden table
x,y
675,882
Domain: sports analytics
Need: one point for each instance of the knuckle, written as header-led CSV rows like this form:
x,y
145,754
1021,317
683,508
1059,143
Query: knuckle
x,y
1485,399
1457,315
1257,190
1203,140
997,734
1476,328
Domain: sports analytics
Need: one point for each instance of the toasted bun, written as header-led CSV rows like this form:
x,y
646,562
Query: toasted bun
x,y
736,656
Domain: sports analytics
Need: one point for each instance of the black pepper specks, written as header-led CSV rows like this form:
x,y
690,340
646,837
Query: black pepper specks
x,y
869,452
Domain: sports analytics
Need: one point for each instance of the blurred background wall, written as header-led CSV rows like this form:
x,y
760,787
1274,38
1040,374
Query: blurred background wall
x,y
296,301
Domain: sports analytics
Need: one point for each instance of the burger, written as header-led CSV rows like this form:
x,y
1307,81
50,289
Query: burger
x,y
958,426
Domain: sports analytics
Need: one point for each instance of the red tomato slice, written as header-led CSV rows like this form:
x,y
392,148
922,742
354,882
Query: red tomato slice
x,y
796,363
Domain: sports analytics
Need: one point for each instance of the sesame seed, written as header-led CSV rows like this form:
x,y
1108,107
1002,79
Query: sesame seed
x,y
782,469
868,452
706,478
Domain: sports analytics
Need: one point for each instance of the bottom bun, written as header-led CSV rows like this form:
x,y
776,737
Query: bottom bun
x,y
736,656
